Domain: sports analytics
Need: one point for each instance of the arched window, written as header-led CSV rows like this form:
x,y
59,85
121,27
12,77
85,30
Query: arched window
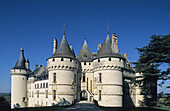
x,y
70,60
53,59
98,60
109,59
84,63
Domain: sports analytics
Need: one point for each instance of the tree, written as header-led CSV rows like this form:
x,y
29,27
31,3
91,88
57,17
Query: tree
x,y
152,56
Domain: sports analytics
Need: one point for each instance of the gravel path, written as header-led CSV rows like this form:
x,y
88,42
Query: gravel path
x,y
83,106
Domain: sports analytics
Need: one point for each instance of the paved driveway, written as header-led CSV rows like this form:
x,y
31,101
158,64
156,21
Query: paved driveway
x,y
83,106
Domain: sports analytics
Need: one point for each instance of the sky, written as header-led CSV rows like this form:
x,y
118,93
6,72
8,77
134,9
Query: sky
x,y
35,23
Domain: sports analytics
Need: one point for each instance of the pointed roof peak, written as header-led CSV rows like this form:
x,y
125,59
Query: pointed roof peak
x,y
106,49
63,50
21,61
85,54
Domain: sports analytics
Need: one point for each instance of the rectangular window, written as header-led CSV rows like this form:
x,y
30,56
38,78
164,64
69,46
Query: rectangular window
x,y
54,77
46,85
46,93
99,95
100,77
32,93
43,85
54,94
84,77
37,93
35,86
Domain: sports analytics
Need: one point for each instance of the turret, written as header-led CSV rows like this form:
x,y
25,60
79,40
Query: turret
x,y
62,68
54,45
19,82
108,76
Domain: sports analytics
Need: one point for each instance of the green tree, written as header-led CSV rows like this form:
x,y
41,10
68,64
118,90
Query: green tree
x,y
152,56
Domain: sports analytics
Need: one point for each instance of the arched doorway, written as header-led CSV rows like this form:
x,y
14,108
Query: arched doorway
x,y
83,95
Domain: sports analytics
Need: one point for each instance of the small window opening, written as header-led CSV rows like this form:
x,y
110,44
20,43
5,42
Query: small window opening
x,y
54,77
99,95
89,63
84,77
100,77
84,63
53,59
109,59
98,60
70,60
62,59
54,94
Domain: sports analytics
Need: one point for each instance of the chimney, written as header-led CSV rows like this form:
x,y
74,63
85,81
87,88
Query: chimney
x,y
27,64
99,46
125,55
114,43
36,66
54,45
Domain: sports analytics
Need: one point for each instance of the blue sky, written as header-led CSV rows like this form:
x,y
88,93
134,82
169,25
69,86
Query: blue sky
x,y
35,23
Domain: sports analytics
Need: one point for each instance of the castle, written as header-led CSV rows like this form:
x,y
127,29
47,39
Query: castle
x,y
105,77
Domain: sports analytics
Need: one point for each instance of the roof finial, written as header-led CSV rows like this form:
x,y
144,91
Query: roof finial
x,y
22,46
64,29
85,37
107,28
71,44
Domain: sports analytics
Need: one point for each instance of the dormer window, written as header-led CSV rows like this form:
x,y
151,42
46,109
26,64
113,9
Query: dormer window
x,y
85,56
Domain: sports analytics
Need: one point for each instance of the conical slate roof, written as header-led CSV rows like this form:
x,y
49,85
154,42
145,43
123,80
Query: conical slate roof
x,y
72,50
21,61
85,53
63,50
106,49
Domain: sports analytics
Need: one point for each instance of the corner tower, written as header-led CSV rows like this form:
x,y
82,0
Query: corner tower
x,y
62,67
19,83
108,76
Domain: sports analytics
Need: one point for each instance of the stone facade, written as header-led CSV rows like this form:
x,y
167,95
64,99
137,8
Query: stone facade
x,y
104,76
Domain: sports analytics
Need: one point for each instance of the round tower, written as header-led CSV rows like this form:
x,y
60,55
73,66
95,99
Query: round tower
x,y
108,76
19,83
62,69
